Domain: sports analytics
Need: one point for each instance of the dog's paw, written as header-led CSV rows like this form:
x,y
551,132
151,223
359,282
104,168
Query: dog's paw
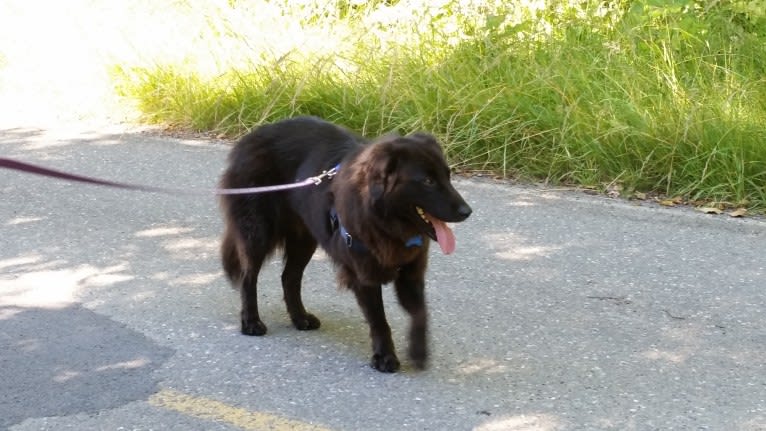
x,y
306,322
255,327
386,363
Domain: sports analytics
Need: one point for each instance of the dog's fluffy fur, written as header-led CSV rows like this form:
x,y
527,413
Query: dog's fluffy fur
x,y
384,193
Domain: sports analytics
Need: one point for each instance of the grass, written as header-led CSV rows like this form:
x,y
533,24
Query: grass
x,y
658,97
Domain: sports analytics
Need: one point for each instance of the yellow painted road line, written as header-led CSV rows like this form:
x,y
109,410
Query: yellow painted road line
x,y
204,408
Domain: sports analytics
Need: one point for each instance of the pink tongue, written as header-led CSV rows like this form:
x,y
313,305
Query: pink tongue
x,y
444,235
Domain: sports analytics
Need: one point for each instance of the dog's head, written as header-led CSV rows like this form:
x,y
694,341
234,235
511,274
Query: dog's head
x,y
409,186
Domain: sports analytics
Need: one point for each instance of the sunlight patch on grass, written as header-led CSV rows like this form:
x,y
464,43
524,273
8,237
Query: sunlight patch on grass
x,y
575,92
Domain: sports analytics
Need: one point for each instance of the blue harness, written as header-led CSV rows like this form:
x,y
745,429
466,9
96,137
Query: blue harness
x,y
355,244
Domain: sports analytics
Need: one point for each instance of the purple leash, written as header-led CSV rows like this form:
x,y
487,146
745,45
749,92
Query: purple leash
x,y
47,172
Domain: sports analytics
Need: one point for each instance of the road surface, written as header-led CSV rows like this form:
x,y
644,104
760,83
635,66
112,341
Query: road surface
x,y
559,311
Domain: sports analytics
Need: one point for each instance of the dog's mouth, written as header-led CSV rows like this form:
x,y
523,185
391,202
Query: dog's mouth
x,y
438,231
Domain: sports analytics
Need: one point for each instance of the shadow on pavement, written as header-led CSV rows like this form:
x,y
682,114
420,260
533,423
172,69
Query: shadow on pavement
x,y
71,360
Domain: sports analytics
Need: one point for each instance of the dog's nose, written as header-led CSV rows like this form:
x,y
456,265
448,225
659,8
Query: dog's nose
x,y
464,211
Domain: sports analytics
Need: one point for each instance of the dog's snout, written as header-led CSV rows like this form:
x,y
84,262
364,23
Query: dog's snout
x,y
464,210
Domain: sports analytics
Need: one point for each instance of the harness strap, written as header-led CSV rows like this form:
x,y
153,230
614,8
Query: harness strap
x,y
358,246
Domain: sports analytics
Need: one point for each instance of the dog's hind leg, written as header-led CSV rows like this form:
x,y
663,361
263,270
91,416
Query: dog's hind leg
x,y
242,269
251,320
370,299
298,251
255,242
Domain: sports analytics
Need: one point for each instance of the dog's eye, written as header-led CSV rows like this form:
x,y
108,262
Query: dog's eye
x,y
429,182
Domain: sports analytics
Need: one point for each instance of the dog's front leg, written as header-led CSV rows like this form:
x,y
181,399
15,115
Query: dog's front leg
x,y
410,290
370,299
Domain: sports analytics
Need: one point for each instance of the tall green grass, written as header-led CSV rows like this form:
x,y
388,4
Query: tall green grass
x,y
664,97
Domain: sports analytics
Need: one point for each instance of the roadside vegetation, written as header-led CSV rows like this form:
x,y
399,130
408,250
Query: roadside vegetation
x,y
638,97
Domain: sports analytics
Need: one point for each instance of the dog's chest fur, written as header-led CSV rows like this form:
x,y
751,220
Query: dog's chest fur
x,y
373,267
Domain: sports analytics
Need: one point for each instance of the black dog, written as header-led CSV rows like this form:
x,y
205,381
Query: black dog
x,y
373,219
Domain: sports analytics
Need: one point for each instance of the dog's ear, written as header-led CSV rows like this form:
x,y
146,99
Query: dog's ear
x,y
382,173
427,139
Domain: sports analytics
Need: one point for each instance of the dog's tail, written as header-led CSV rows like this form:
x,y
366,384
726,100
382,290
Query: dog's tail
x,y
232,265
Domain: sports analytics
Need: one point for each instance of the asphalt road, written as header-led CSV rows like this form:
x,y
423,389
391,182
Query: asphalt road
x,y
558,311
